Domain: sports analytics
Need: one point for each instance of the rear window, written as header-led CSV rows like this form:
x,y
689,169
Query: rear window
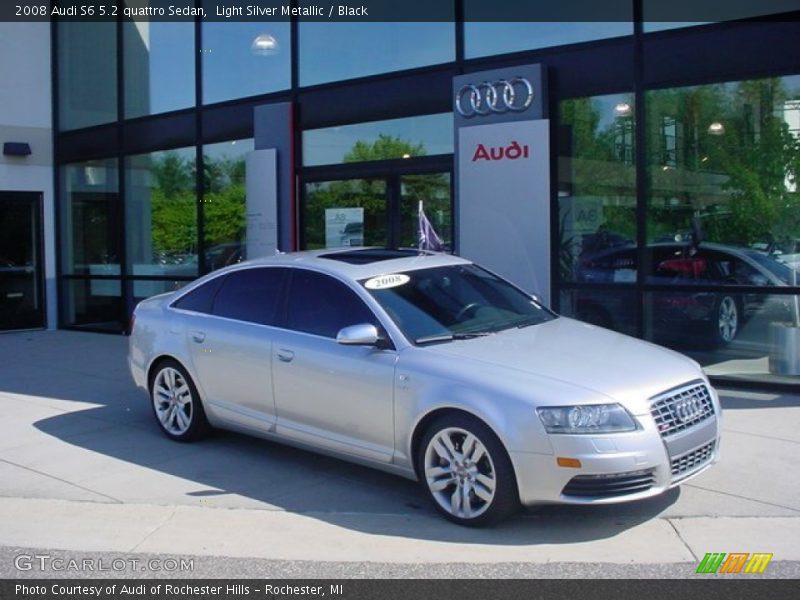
x,y
201,298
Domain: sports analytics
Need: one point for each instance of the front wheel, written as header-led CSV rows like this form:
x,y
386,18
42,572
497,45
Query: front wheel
x,y
176,403
467,472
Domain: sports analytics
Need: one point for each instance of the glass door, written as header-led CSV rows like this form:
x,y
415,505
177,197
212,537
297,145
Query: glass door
x,y
21,281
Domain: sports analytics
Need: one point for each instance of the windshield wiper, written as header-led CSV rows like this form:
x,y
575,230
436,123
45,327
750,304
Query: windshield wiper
x,y
449,337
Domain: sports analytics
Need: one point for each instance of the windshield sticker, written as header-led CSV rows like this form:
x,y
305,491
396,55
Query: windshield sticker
x,y
385,282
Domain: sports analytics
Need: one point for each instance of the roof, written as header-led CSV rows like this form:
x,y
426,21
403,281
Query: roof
x,y
358,263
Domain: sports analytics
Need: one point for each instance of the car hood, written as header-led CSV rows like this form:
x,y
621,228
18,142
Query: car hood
x,y
582,357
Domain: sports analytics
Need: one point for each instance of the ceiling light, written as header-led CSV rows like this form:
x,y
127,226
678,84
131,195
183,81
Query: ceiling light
x,y
264,45
623,109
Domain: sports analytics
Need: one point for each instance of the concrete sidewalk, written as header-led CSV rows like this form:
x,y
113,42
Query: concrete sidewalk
x,y
84,467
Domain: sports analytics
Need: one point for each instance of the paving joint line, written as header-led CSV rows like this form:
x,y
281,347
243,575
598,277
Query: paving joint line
x,y
70,483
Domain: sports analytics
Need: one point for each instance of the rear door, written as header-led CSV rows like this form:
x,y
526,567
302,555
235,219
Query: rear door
x,y
231,347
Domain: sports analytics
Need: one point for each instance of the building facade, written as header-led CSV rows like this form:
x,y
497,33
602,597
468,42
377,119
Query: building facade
x,y
672,211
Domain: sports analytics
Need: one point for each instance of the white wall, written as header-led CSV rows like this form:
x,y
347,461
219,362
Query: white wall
x,y
26,116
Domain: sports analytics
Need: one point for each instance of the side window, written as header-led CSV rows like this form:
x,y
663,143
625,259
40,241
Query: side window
x,y
200,298
251,295
322,305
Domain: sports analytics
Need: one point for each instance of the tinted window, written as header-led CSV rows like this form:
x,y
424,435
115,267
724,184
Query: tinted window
x,y
321,305
200,298
250,295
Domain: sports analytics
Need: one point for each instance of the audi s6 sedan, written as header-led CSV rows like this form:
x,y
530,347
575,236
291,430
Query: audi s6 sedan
x,y
428,366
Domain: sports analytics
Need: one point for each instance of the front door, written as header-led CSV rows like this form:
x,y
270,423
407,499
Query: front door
x,y
21,272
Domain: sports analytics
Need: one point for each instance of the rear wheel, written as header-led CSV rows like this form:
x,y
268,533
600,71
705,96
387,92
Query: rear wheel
x,y
176,403
467,472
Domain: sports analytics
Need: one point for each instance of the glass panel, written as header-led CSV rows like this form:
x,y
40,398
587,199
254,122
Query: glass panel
x,y
93,303
201,298
659,15
87,73
431,192
352,212
144,289
612,309
597,189
20,265
243,59
742,336
379,140
161,213
224,202
159,66
723,168
90,224
336,51
483,38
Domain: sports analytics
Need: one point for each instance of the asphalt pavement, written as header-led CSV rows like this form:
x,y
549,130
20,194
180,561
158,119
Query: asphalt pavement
x,y
85,472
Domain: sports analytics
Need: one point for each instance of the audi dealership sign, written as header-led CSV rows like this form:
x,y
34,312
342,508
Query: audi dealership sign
x,y
502,141
487,97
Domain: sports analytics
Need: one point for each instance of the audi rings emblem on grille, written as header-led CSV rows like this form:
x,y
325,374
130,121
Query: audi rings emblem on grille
x,y
688,409
487,97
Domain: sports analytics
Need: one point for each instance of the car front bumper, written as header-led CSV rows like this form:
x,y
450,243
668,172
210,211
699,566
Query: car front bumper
x,y
616,467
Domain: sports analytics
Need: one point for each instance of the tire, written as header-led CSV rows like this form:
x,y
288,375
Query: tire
x,y
467,491
176,404
726,321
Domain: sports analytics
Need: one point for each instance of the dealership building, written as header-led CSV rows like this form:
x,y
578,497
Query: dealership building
x,y
637,174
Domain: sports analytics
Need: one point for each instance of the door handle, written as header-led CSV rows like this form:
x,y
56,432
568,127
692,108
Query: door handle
x,y
285,355
198,336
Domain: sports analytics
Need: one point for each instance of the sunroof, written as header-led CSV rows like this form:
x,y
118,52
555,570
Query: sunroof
x,y
372,255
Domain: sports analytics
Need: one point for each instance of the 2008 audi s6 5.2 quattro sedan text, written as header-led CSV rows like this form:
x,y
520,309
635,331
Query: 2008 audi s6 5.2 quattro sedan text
x,y
428,366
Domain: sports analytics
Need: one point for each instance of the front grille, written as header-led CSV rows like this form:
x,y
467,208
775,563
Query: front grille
x,y
608,486
681,408
691,461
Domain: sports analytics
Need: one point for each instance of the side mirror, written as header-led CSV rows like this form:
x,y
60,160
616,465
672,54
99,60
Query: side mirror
x,y
759,279
363,334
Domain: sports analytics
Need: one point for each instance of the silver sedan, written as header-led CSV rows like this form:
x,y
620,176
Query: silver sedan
x,y
428,366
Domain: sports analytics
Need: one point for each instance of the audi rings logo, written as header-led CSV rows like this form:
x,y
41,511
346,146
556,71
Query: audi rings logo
x,y
487,97
688,409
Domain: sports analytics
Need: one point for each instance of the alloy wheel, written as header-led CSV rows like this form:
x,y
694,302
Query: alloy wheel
x,y
172,401
460,473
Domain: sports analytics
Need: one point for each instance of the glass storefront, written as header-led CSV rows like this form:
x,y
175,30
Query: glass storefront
x,y
674,200
87,74
338,51
241,59
159,66
224,202
160,219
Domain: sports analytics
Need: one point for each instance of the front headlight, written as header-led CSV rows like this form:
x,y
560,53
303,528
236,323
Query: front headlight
x,y
590,418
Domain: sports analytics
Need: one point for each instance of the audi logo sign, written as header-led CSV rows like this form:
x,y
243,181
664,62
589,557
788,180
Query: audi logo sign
x,y
494,97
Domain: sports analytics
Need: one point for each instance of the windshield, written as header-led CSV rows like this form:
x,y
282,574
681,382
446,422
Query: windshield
x,y
783,271
454,302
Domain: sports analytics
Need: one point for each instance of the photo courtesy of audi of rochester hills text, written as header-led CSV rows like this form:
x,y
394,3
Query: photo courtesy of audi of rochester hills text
x,y
314,299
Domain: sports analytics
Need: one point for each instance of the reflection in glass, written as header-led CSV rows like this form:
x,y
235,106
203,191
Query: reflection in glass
x,y
723,167
484,38
159,66
243,59
224,202
729,334
90,219
344,213
433,191
87,73
597,190
93,303
379,140
161,213
613,309
344,50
